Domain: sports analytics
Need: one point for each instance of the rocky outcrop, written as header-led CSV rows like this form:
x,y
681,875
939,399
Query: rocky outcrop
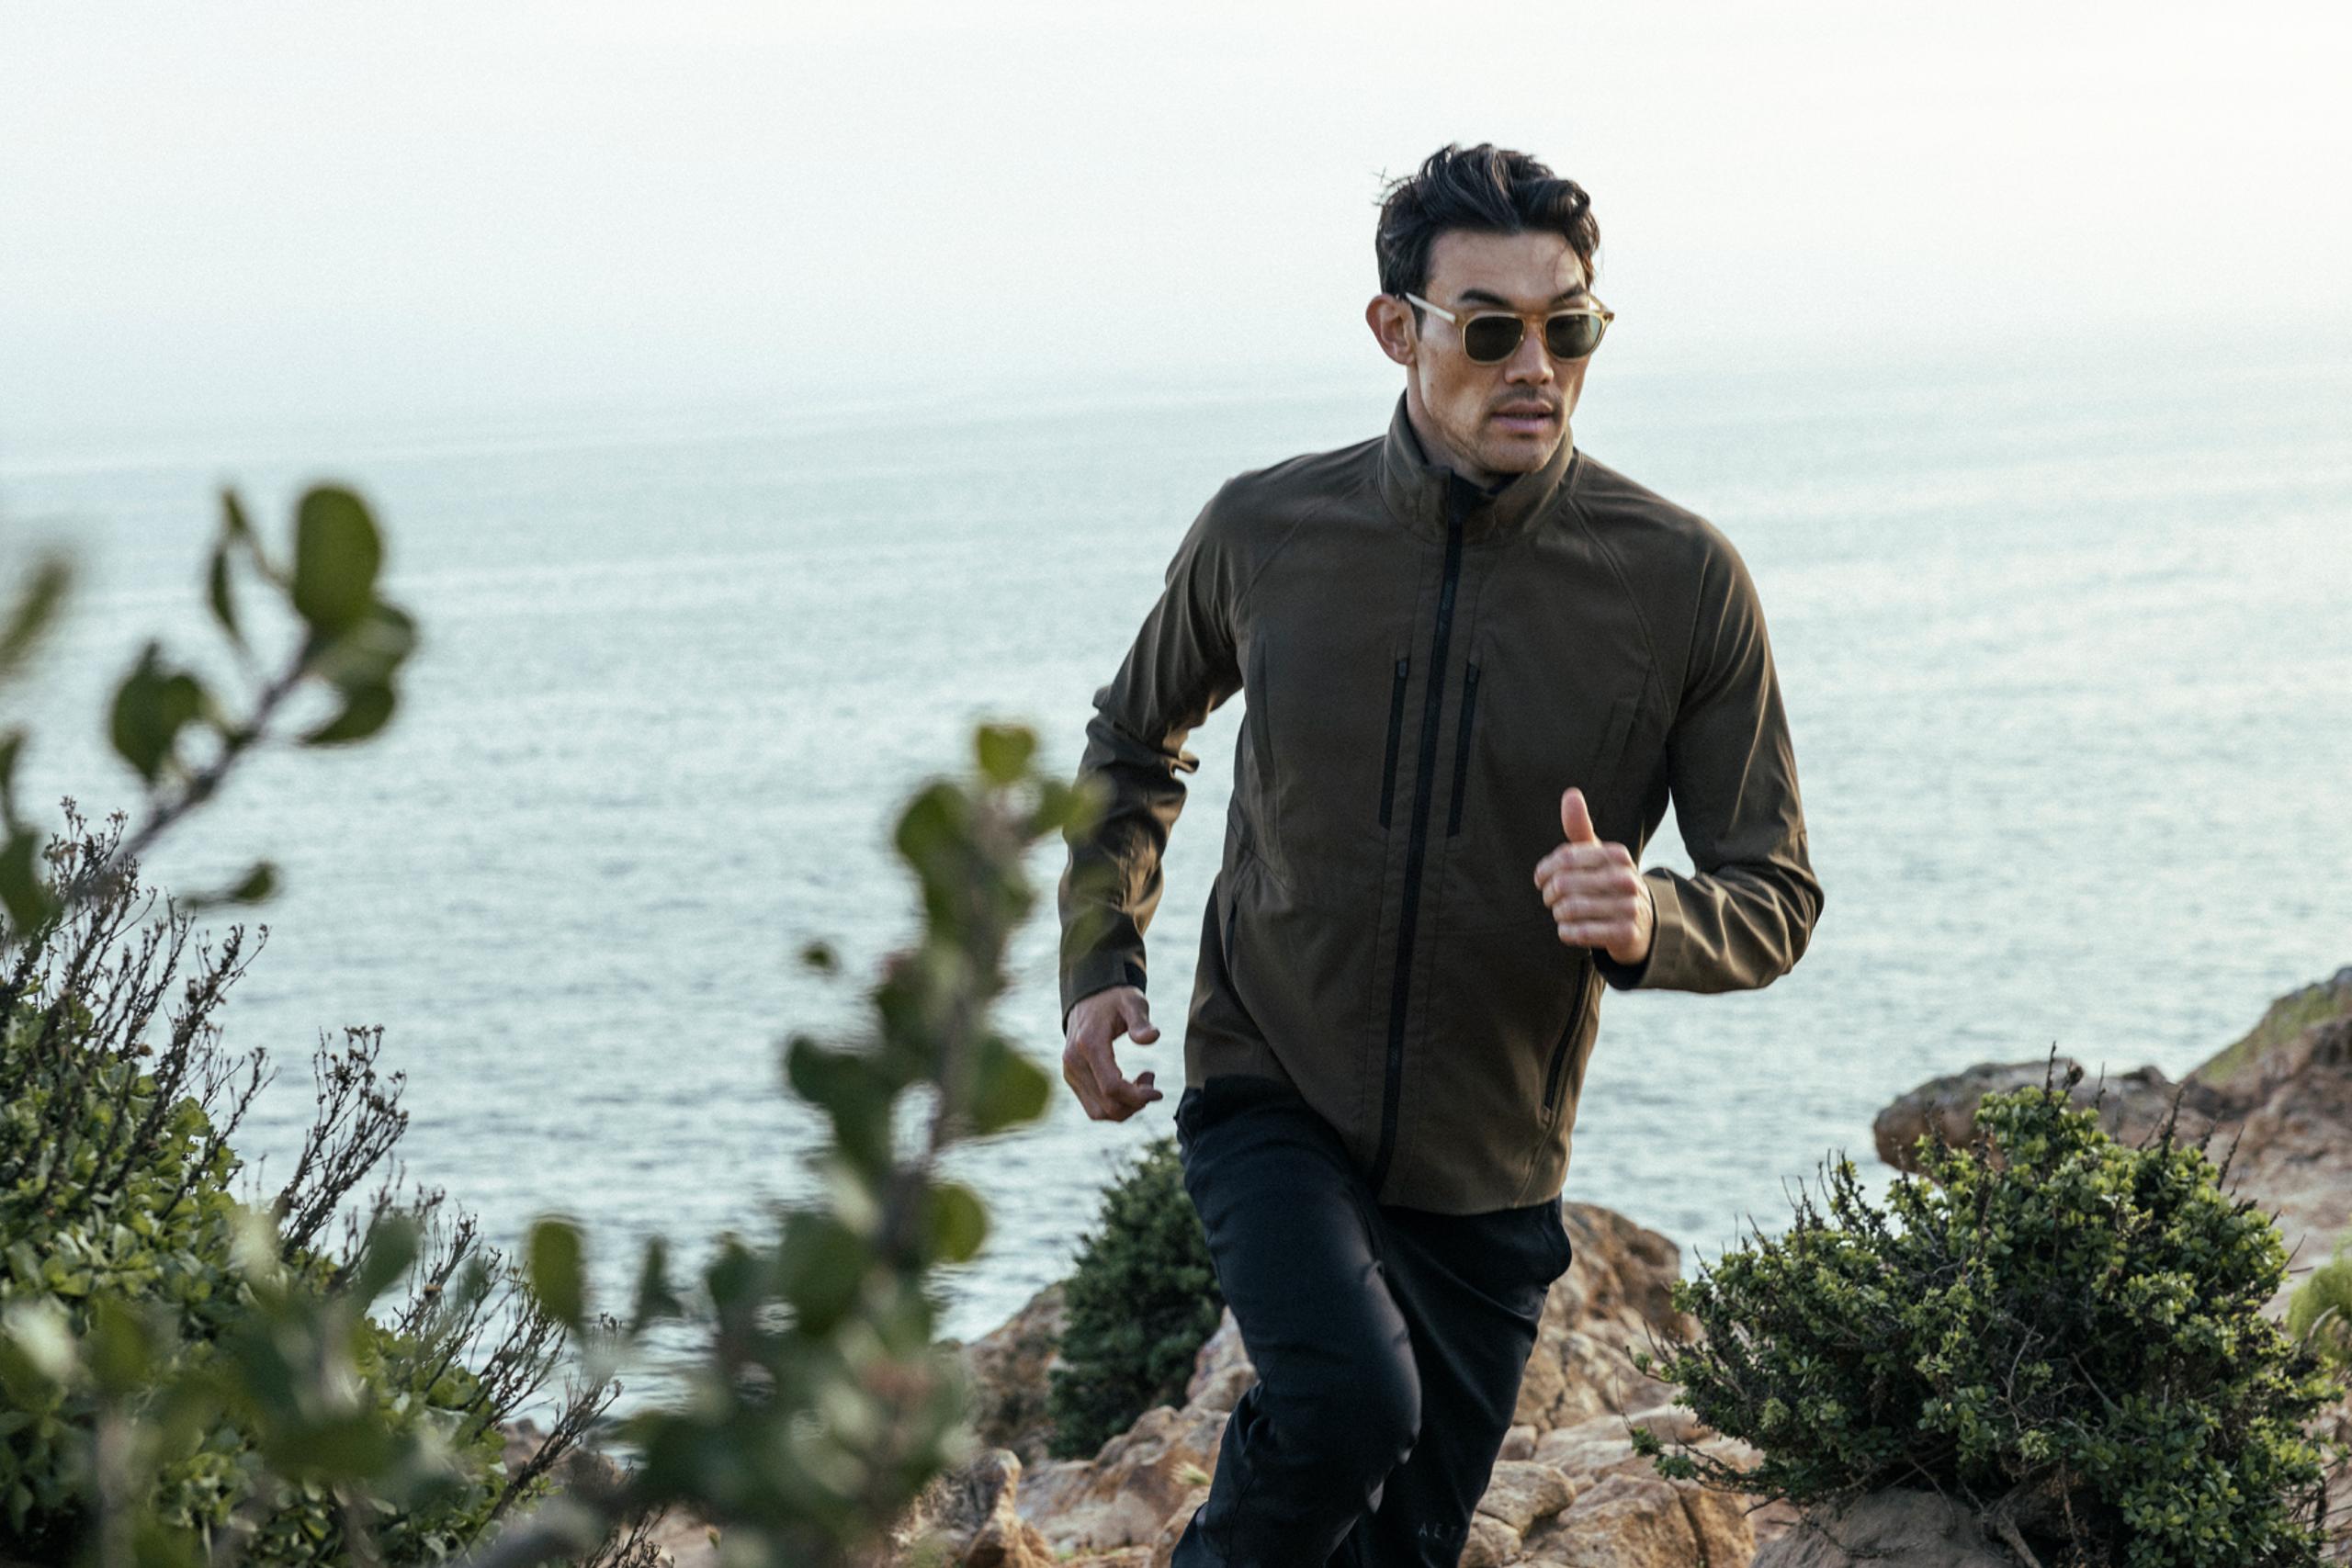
x,y
2129,1107
1009,1367
1568,1491
1898,1527
2277,1103
967,1518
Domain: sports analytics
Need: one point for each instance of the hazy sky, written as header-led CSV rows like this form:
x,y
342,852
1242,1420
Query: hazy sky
x,y
269,211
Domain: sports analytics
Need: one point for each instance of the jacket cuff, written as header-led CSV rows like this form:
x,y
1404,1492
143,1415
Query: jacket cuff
x,y
1098,971
1654,971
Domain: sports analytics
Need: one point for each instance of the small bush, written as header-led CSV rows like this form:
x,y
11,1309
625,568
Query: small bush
x,y
1142,1300
2061,1330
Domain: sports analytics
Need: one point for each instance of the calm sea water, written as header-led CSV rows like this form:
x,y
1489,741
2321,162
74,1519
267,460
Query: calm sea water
x,y
2066,656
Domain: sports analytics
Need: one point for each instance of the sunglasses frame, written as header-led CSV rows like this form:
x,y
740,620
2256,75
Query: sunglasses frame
x,y
1541,321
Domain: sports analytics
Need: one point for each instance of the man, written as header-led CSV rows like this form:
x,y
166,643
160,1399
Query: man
x,y
1478,665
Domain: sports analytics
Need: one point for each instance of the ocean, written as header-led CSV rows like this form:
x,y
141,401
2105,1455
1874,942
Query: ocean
x,y
2064,649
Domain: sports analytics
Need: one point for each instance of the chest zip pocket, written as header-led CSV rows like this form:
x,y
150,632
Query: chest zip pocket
x,y
1461,749
1396,736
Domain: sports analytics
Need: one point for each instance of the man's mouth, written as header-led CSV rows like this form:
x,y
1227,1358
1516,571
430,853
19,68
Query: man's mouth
x,y
1526,419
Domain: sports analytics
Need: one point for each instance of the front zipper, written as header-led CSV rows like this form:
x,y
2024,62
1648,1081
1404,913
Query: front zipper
x,y
1396,733
1417,845
1461,749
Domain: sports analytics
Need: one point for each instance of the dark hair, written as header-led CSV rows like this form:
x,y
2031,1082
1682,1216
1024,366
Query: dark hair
x,y
1485,189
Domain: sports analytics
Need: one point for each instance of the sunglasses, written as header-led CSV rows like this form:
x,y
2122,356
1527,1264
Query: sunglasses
x,y
1490,337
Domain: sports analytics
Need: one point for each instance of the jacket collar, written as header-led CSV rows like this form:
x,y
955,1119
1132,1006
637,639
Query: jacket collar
x,y
1416,489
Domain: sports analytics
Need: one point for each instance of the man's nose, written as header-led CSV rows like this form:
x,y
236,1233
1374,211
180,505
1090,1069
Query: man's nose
x,y
1528,361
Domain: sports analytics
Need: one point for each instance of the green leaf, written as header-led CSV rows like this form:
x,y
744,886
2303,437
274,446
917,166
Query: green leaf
x,y
337,553
217,586
369,652
151,707
35,610
655,1298
256,887
1004,750
1008,1088
365,711
554,1259
388,1250
822,1263
118,1346
27,896
959,1220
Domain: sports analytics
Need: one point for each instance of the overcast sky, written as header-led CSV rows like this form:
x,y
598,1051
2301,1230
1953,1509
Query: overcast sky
x,y
264,211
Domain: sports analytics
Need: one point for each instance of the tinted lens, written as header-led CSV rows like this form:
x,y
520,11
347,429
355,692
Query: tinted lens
x,y
1571,336
1487,339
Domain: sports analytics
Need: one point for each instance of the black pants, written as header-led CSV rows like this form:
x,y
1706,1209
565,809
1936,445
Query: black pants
x,y
1389,1343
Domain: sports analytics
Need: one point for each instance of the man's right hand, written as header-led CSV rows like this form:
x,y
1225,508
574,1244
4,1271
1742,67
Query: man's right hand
x,y
1087,1066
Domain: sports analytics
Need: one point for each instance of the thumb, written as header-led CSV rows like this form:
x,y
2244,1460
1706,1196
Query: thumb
x,y
1137,1013
1576,820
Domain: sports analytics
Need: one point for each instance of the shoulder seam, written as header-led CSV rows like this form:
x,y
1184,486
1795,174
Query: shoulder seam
x,y
1672,701
1241,600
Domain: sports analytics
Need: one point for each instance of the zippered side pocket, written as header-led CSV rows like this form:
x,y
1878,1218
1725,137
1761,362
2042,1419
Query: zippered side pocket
x,y
1556,1070
1461,749
1396,737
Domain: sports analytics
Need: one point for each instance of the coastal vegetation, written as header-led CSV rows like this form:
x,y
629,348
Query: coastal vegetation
x,y
2061,1330
1140,1299
192,1377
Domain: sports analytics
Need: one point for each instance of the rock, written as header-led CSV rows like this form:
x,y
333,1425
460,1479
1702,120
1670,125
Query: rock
x,y
1163,1546
2282,1045
1519,1493
1128,1503
1626,1521
1491,1544
1221,1369
1898,1527
1009,1367
1614,1296
2129,1107
2282,1096
1125,1493
968,1517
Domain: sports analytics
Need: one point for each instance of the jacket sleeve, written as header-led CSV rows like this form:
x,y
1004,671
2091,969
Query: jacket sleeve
x,y
1743,921
1183,666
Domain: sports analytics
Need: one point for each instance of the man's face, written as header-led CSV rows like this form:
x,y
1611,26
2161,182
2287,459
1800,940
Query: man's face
x,y
1486,421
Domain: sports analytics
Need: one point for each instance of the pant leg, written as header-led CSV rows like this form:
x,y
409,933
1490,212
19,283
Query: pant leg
x,y
1336,1404
1471,1290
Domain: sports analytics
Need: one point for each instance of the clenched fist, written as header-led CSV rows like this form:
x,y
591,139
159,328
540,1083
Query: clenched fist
x,y
1087,1066
1596,896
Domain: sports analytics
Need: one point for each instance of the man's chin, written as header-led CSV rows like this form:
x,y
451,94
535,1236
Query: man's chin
x,y
1518,454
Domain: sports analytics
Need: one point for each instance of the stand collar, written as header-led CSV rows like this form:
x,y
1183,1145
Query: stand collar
x,y
1416,489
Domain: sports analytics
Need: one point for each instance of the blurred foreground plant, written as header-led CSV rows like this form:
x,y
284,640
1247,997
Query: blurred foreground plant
x,y
822,1405
186,1378
190,1382
350,640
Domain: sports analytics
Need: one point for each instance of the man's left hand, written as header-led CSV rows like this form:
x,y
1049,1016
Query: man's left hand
x,y
1596,896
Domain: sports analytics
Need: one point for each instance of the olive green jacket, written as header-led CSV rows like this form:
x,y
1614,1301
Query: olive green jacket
x,y
1428,667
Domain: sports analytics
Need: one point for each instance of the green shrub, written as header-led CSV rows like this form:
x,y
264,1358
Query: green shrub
x,y
2061,1330
1142,1300
2320,1312
164,1299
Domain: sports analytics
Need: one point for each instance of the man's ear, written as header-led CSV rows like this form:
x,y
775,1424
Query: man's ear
x,y
1391,320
